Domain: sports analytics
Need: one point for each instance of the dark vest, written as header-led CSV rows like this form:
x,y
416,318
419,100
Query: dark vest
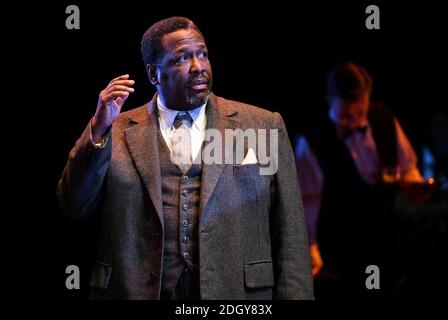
x,y
180,195
353,225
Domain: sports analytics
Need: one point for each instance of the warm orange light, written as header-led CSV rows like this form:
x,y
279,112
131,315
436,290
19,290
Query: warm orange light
x,y
431,180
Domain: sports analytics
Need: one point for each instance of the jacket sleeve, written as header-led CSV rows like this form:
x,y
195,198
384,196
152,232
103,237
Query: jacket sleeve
x,y
79,189
289,237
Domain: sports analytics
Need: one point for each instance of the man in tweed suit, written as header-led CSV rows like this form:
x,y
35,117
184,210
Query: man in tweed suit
x,y
170,231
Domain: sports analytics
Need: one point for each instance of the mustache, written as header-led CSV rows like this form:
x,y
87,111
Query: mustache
x,y
199,80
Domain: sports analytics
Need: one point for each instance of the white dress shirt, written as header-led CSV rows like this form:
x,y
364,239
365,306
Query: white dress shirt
x,y
197,129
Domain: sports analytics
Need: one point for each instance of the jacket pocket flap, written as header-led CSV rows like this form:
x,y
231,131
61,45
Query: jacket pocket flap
x,y
259,274
100,275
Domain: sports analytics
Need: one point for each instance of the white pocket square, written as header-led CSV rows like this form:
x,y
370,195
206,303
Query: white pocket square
x,y
250,158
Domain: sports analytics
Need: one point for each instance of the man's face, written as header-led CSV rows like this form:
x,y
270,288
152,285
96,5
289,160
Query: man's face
x,y
350,115
184,74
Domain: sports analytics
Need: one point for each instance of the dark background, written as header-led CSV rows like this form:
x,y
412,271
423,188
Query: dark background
x,y
274,55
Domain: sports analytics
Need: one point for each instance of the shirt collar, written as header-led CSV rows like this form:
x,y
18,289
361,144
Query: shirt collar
x,y
167,115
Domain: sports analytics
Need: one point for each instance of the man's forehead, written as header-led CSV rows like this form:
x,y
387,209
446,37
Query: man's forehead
x,y
182,38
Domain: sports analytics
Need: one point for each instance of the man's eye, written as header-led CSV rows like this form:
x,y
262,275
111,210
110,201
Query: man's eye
x,y
203,54
182,58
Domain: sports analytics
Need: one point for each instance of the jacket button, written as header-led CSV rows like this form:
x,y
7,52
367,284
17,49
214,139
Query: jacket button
x,y
185,207
185,223
186,255
185,239
184,179
185,192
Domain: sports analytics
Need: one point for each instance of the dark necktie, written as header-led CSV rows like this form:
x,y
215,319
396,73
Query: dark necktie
x,y
181,142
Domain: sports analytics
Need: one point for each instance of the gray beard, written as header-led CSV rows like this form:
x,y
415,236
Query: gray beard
x,y
196,101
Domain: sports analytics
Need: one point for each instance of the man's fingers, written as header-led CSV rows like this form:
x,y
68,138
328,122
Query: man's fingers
x,y
120,100
106,98
315,270
124,76
118,88
116,94
122,82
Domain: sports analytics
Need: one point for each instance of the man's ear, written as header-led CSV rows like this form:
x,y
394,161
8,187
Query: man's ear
x,y
152,73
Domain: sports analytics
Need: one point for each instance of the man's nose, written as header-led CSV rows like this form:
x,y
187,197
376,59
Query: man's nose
x,y
196,66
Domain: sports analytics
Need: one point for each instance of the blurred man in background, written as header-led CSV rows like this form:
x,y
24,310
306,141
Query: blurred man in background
x,y
346,164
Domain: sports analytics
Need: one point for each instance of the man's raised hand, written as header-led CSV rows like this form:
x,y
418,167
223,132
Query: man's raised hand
x,y
110,101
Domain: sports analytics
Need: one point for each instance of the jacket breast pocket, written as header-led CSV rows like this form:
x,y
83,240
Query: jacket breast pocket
x,y
259,274
251,169
100,275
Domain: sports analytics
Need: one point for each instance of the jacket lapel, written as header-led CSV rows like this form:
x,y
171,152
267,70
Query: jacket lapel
x,y
218,117
144,148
